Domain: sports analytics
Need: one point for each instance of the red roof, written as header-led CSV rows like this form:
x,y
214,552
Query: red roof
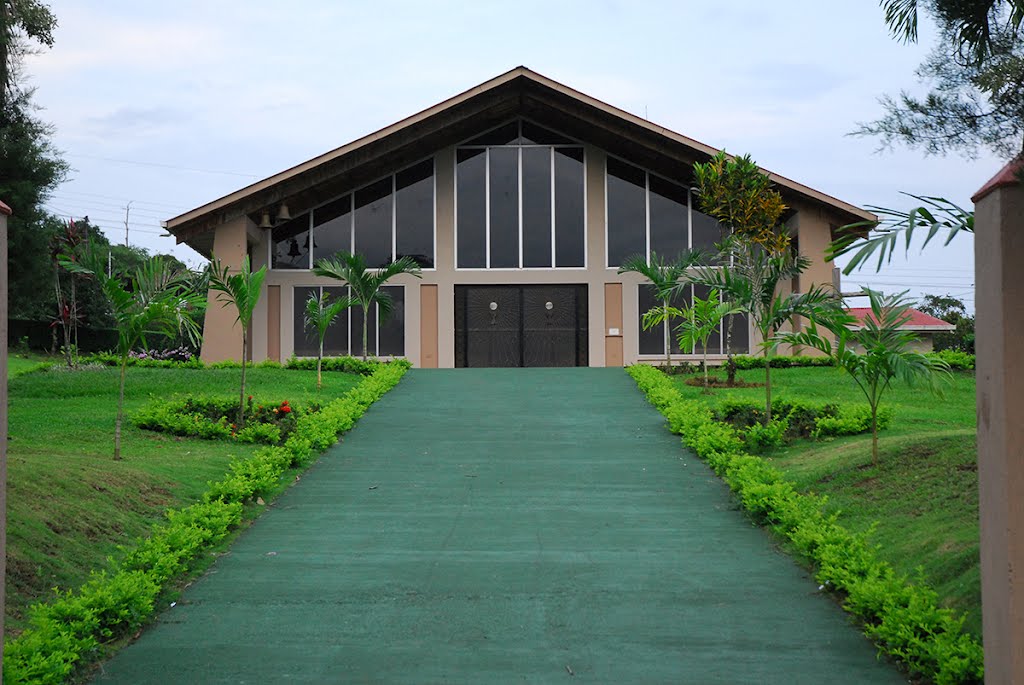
x,y
918,321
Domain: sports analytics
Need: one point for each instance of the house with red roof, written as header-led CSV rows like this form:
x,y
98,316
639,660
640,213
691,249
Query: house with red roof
x,y
924,326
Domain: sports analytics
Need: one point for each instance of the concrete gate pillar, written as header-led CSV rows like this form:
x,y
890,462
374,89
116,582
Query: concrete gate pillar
x,y
222,335
999,286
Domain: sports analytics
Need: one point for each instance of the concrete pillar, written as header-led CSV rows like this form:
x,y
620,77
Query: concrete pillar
x,y
999,282
4,213
222,336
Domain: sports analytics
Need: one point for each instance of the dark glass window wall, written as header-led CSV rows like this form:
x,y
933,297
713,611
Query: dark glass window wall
x,y
520,200
385,336
388,219
649,214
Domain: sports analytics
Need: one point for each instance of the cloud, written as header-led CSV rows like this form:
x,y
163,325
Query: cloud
x,y
130,121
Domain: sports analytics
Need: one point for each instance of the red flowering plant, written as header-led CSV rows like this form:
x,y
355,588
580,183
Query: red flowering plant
x,y
213,418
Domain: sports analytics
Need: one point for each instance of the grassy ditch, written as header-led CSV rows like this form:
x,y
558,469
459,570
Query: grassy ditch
x,y
920,504
70,504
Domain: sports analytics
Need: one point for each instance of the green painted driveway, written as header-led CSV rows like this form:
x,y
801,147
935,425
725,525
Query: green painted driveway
x,y
499,526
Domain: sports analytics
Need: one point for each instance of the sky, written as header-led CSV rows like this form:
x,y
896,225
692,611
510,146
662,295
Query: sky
x,y
170,105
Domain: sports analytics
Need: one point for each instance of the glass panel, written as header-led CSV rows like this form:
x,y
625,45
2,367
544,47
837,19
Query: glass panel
x,y
537,207
627,214
503,135
668,212
392,328
373,223
569,224
471,209
706,231
305,340
357,331
336,340
538,135
740,338
290,242
414,213
652,341
504,180
332,228
715,340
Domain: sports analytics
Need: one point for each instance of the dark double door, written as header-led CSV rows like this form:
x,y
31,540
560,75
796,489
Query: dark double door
x,y
520,325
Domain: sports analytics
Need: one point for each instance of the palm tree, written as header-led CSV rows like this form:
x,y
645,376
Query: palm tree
x,y
365,284
666,278
700,321
155,299
241,289
936,214
886,352
752,283
319,316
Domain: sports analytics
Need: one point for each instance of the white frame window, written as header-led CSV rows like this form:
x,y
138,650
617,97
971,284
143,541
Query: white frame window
x,y
311,234
553,195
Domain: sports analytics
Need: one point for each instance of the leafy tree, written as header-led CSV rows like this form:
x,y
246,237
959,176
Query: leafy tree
x,y
241,289
951,310
320,314
155,299
976,73
886,355
364,283
742,198
752,284
699,321
665,278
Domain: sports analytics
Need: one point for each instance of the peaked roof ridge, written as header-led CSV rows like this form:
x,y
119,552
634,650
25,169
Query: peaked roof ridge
x,y
190,217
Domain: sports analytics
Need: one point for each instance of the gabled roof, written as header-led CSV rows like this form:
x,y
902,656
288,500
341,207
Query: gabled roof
x,y
918,321
519,92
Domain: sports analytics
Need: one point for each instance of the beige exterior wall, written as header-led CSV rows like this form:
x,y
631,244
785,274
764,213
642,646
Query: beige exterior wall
x,y
814,234
222,336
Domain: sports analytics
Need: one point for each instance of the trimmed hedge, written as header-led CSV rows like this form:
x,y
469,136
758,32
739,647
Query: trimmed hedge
x,y
905,620
78,627
961,361
346,364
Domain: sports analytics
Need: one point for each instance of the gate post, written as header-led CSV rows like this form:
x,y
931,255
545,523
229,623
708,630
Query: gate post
x,y
999,303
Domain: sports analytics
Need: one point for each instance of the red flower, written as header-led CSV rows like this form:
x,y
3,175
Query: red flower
x,y
285,409
285,403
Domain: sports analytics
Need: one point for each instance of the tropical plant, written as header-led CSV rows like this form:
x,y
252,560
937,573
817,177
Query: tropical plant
x,y
364,283
935,214
885,357
240,288
320,314
701,320
155,299
741,197
665,277
752,284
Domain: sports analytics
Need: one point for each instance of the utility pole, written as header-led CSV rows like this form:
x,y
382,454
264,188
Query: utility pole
x,y
126,210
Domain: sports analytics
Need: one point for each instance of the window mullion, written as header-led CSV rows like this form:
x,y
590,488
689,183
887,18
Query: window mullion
x,y
309,235
394,217
487,207
647,215
520,167
554,264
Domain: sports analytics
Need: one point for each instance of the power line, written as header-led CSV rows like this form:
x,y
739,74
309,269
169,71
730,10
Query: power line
x,y
121,200
163,166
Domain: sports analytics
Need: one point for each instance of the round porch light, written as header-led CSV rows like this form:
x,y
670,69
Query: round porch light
x,y
494,306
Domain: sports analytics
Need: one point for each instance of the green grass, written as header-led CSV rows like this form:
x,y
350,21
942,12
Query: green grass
x,y
922,499
18,364
70,504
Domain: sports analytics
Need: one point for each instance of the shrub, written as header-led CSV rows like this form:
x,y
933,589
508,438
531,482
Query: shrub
x,y
746,362
851,421
77,627
211,418
347,364
962,361
763,437
903,619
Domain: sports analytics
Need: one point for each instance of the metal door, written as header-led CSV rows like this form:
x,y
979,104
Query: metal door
x,y
530,325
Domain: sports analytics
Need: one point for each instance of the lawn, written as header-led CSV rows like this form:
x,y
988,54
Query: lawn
x,y
70,504
923,497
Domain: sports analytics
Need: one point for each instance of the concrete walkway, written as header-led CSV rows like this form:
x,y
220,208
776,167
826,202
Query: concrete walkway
x,y
498,526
